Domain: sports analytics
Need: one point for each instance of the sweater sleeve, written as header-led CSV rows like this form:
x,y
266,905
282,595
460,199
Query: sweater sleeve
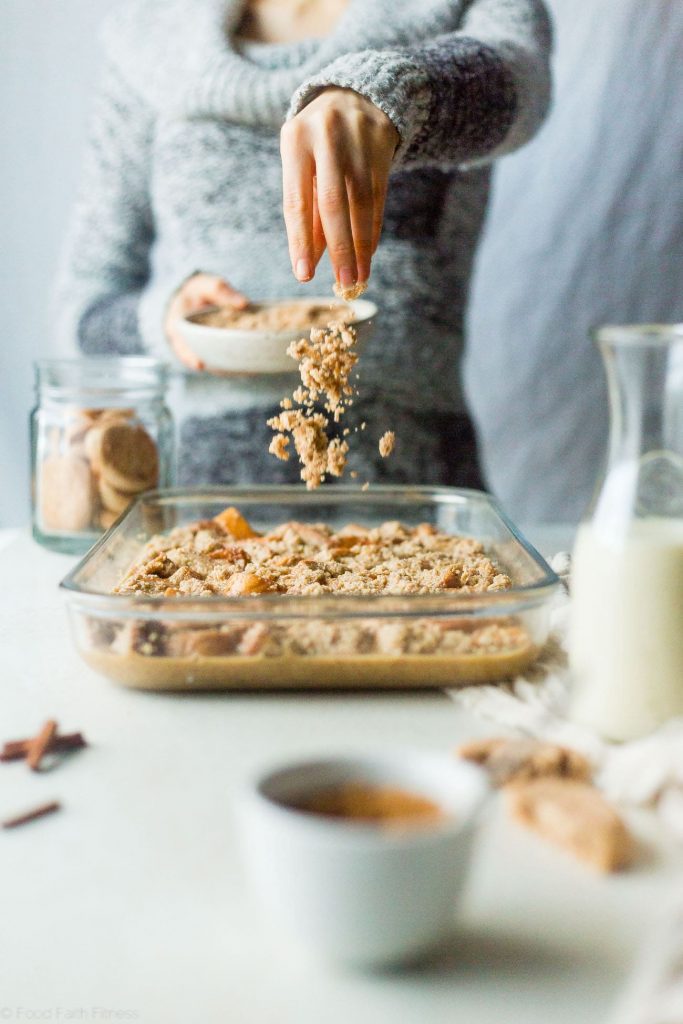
x,y
106,260
465,97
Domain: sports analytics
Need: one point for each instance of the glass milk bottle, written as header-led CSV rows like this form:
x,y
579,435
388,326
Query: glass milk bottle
x,y
626,636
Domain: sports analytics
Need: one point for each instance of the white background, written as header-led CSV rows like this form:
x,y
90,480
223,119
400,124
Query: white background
x,y
537,246
48,60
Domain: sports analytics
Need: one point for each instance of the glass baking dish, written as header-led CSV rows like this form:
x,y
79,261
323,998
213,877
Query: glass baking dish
x,y
269,641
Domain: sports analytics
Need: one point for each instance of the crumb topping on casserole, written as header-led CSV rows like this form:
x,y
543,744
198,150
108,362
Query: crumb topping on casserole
x,y
225,556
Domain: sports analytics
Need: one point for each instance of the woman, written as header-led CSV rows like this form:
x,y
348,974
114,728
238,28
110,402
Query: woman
x,y
386,113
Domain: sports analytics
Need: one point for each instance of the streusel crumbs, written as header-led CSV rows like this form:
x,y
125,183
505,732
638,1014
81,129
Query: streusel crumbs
x,y
326,362
353,291
226,555
386,443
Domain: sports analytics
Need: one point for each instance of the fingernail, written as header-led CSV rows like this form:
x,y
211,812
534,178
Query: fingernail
x,y
303,270
347,278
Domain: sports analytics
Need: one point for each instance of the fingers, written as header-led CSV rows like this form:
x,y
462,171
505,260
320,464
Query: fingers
x,y
211,290
379,196
362,217
319,243
198,292
336,155
298,172
335,217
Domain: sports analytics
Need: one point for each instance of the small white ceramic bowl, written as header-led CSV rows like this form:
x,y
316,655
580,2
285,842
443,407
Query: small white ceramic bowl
x,y
353,892
229,350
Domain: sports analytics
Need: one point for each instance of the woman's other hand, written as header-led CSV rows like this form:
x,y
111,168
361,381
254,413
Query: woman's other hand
x,y
336,157
196,293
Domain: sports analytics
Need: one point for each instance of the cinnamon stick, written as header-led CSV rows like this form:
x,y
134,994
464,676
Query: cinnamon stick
x,y
41,744
17,750
14,750
69,741
32,815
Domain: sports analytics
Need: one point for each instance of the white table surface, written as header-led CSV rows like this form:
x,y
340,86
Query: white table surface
x,y
130,903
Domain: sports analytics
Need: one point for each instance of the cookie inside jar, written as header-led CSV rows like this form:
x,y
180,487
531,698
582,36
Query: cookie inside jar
x,y
92,464
101,434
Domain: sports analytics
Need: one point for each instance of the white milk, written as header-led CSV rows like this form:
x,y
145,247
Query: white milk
x,y
626,636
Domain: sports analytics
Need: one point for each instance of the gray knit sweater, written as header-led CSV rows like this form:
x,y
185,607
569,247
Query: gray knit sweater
x,y
182,172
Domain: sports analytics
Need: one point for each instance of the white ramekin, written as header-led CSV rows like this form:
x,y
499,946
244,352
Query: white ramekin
x,y
354,892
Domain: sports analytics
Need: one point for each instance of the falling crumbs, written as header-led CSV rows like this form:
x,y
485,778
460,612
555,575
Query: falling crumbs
x,y
326,361
386,443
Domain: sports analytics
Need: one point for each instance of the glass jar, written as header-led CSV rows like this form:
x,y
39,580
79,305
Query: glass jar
x,y
626,636
100,434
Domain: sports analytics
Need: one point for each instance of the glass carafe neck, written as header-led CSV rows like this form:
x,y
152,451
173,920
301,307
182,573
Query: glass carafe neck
x,y
644,474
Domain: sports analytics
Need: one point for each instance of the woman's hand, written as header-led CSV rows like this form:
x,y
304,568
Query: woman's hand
x,y
195,294
336,156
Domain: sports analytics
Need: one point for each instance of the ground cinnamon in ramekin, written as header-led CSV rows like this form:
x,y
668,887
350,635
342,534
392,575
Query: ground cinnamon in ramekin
x,y
372,804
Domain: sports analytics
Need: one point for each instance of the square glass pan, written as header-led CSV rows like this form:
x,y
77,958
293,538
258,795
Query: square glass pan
x,y
328,641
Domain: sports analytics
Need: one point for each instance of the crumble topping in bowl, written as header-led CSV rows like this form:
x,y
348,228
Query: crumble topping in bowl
x,y
285,316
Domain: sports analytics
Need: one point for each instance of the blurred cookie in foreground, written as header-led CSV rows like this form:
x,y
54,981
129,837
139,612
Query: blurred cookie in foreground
x,y
575,816
548,789
513,760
